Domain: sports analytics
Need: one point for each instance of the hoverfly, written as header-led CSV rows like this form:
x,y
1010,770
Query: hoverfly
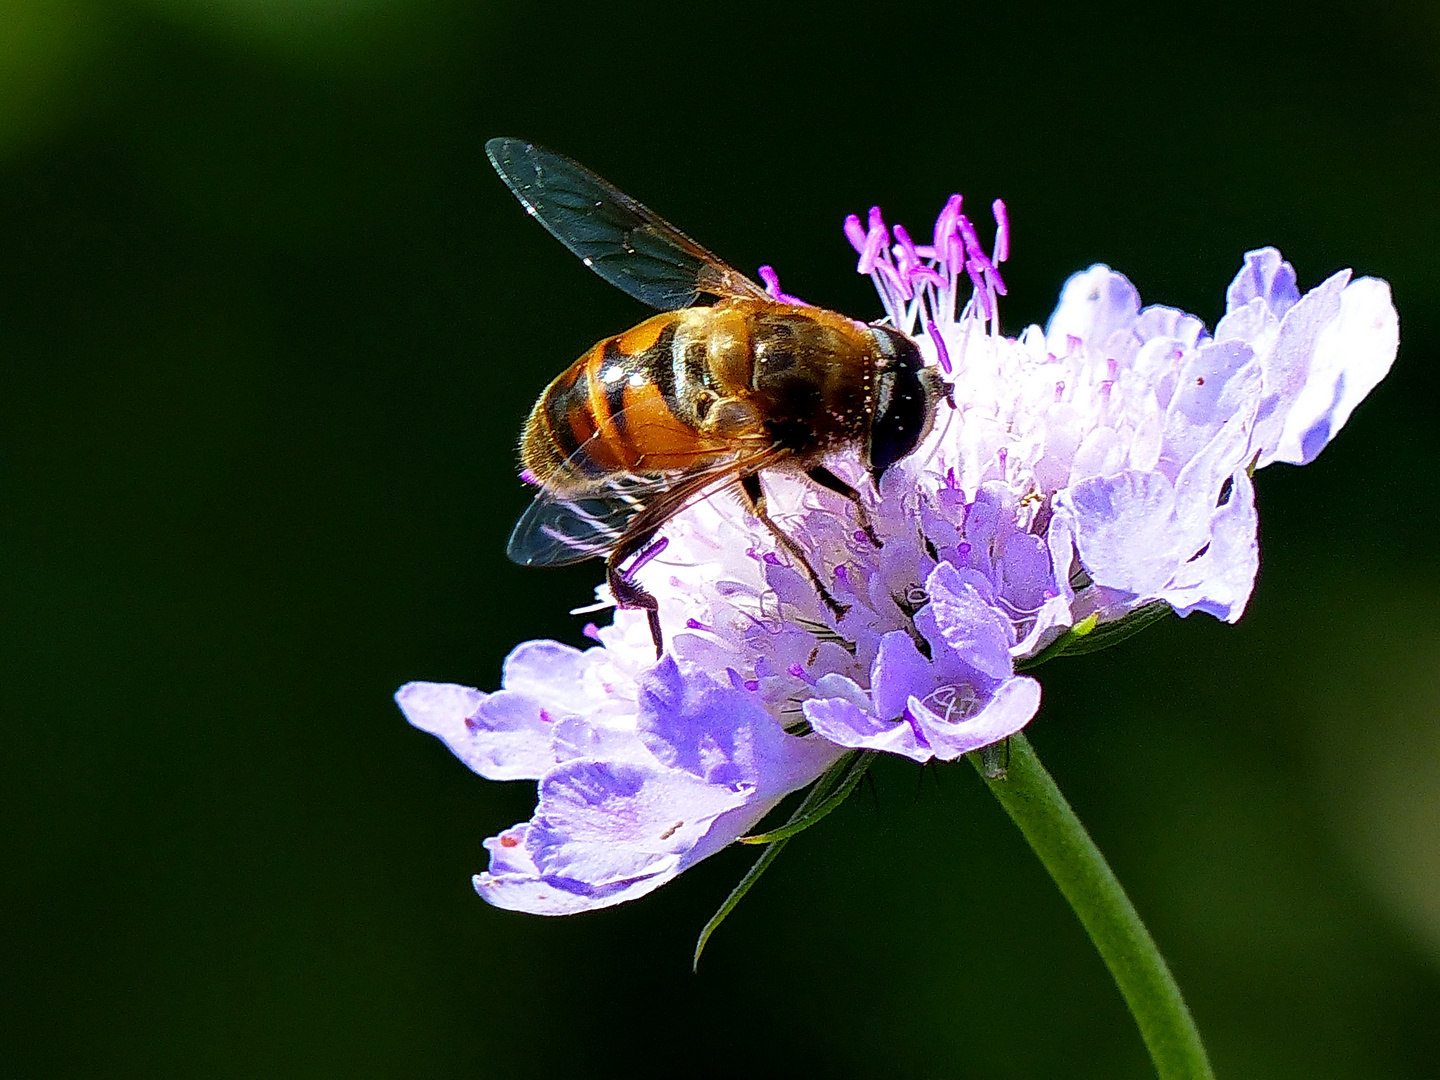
x,y
697,398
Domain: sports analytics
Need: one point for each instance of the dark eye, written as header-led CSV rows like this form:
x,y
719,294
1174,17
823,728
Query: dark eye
x,y
901,406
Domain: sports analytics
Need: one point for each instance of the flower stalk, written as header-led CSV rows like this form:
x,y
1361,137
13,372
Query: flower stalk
x,y
1029,795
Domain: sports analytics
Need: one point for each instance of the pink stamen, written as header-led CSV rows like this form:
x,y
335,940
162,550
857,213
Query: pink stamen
x,y
977,256
972,243
945,223
902,237
942,354
921,275
876,241
981,293
895,280
1002,231
592,632
772,286
855,233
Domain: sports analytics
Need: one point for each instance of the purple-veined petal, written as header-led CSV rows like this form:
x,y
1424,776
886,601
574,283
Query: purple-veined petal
x,y
899,672
721,735
502,736
1219,580
975,633
1265,277
842,723
997,716
1124,529
1096,306
1219,381
1287,364
1352,354
602,822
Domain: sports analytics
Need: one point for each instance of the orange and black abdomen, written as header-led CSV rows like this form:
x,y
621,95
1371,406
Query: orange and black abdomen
x,y
613,411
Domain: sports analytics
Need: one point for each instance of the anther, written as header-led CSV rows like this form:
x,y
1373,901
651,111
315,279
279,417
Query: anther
x,y
942,354
1002,231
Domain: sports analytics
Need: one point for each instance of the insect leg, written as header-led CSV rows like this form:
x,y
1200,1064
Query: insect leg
x,y
629,594
755,496
830,482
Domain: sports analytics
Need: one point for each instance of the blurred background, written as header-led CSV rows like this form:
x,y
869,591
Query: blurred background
x,y
268,329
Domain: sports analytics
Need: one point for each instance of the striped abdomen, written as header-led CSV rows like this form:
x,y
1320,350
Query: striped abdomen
x,y
614,411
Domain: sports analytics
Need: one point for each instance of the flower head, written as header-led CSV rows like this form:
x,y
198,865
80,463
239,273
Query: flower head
x,y
1086,472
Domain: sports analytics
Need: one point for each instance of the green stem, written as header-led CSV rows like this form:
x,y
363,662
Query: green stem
x,y
1034,803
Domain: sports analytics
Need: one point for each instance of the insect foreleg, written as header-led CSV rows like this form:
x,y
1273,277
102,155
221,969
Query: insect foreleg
x,y
830,482
628,594
755,497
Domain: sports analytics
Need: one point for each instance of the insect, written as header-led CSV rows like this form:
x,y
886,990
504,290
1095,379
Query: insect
x,y
695,399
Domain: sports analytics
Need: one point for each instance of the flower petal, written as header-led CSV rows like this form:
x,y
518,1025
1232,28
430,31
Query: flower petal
x,y
1218,382
1098,307
605,822
1287,364
722,736
1220,579
975,632
1352,354
841,722
502,736
1125,529
1266,277
898,672
1013,705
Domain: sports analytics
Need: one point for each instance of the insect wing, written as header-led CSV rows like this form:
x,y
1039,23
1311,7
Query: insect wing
x,y
563,528
623,241
560,529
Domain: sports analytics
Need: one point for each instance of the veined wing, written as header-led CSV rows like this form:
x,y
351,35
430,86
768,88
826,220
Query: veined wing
x,y
623,241
563,528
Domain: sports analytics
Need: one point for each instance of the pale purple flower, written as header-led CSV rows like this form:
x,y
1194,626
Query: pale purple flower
x,y
1088,470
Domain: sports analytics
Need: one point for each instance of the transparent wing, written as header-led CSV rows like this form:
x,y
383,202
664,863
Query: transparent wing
x,y
560,528
623,241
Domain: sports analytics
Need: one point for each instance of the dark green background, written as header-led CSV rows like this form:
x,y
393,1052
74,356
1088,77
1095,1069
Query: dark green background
x,y
268,327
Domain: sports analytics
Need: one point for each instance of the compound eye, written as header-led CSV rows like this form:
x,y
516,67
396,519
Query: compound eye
x,y
904,405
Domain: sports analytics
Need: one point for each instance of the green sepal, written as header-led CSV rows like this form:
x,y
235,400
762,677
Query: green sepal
x,y
813,798
1112,633
1061,644
1090,635
794,827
